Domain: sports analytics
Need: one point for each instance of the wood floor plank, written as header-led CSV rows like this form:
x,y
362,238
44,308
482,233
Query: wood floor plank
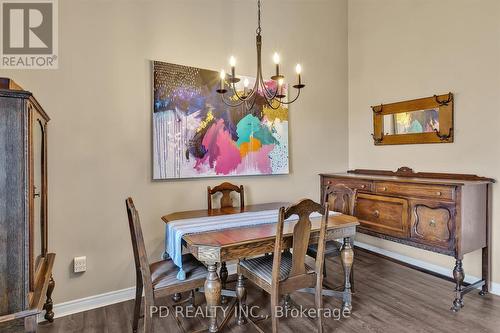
x,y
389,298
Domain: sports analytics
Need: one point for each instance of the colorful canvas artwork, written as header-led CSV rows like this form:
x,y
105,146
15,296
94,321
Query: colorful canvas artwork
x,y
196,135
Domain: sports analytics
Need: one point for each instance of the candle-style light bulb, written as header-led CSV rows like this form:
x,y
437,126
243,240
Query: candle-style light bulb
x,y
222,79
245,87
298,69
280,88
276,58
232,63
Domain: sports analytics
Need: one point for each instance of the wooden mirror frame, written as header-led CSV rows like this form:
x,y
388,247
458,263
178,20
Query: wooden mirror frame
x,y
444,135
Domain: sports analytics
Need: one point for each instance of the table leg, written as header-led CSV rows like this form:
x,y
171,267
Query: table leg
x,y
347,258
241,293
458,275
223,278
212,295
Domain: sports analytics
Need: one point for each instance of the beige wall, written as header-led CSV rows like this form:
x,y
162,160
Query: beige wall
x,y
405,49
100,133
99,101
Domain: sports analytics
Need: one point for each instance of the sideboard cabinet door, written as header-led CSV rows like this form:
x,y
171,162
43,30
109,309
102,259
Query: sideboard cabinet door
x,y
433,224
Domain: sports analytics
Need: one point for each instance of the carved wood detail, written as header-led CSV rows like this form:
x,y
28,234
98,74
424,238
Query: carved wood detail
x,y
408,172
225,189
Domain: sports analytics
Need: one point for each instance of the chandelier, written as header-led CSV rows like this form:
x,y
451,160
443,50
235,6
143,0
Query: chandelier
x,y
272,91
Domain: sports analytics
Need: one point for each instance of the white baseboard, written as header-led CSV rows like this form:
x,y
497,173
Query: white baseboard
x,y
97,301
494,288
91,302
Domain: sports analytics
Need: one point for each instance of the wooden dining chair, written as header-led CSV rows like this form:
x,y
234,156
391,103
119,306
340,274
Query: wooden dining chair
x,y
159,279
341,199
282,273
226,200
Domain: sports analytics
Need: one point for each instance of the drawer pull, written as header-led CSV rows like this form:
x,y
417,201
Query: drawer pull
x,y
329,182
384,188
376,213
438,193
432,223
363,186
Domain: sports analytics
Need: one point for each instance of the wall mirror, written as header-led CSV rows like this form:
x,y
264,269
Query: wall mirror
x,y
424,120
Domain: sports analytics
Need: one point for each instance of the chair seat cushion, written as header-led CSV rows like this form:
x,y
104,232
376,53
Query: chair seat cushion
x,y
164,272
332,249
262,267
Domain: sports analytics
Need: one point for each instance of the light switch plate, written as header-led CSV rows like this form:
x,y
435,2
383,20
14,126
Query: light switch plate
x,y
80,264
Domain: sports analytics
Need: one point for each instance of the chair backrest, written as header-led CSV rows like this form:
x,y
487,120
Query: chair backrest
x,y
140,255
341,198
226,189
301,236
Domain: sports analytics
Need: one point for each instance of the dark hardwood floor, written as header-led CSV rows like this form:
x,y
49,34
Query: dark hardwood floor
x,y
389,298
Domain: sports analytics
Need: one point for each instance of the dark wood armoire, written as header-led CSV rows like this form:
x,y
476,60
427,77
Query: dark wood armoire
x,y
26,282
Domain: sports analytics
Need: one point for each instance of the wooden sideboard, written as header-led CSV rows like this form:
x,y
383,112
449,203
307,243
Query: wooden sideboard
x,y
443,213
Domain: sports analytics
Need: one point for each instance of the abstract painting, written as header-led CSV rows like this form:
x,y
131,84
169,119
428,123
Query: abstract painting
x,y
196,135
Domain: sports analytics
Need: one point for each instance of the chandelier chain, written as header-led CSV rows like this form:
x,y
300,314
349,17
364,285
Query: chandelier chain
x,y
259,29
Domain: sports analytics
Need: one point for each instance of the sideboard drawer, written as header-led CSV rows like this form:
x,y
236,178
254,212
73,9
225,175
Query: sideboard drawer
x,y
357,184
416,190
386,215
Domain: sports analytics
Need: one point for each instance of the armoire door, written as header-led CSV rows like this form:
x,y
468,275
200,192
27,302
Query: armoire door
x,y
38,197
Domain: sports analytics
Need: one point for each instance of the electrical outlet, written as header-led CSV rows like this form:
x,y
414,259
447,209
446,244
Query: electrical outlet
x,y
80,264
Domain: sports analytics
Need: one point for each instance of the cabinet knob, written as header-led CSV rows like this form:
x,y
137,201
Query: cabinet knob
x,y
432,223
384,188
329,182
376,213
438,193
363,186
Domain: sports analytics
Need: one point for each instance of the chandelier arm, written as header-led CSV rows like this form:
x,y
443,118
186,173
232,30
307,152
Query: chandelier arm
x,y
232,105
270,97
269,94
293,100
252,105
269,103
242,98
236,92
254,94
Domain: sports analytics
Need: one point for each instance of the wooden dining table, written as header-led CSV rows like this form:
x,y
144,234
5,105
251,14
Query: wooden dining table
x,y
220,246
